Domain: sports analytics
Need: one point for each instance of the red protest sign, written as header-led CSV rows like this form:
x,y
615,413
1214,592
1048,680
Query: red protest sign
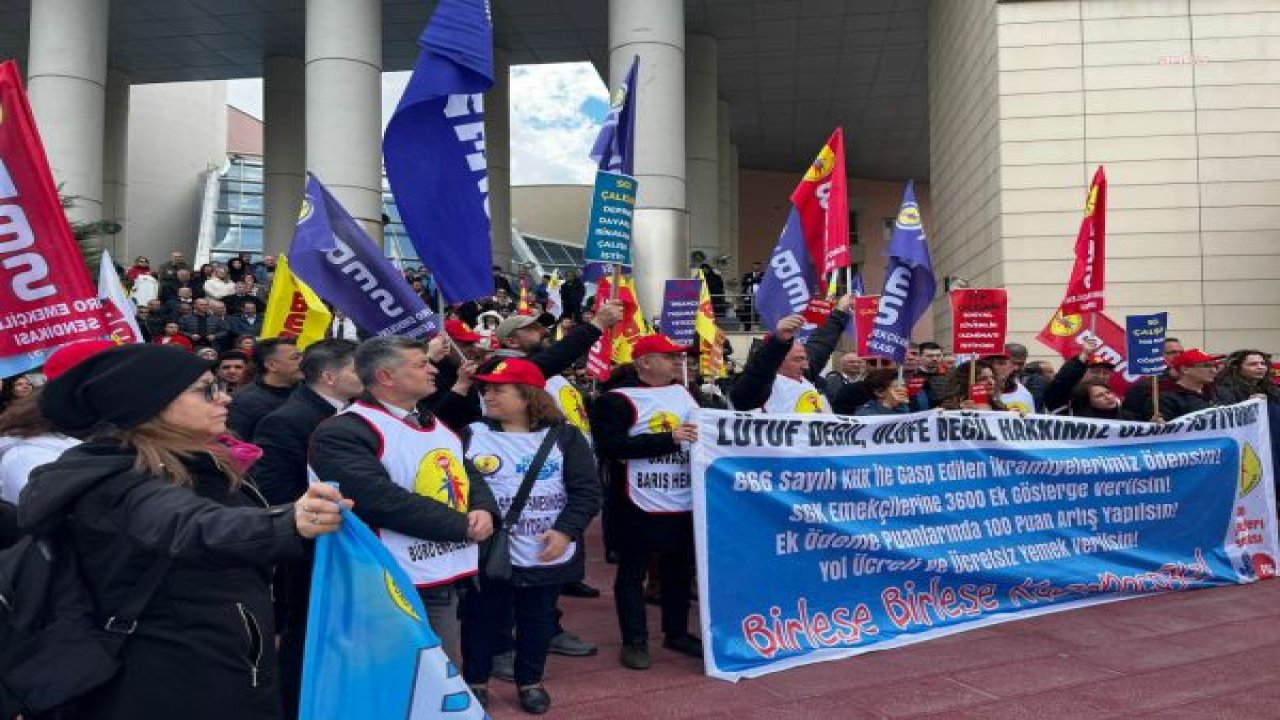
x,y
865,308
46,297
1088,275
979,320
817,312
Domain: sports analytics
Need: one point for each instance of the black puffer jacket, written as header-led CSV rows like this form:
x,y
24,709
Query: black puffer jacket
x,y
1176,400
205,645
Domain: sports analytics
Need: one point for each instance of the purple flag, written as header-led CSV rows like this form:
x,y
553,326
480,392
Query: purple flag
x,y
333,255
908,283
790,281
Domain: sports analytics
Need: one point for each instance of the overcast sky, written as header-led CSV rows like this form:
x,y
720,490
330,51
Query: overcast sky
x,y
555,114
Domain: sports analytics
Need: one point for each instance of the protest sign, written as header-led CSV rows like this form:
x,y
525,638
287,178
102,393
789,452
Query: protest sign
x,y
865,308
680,310
824,537
979,320
1144,343
613,202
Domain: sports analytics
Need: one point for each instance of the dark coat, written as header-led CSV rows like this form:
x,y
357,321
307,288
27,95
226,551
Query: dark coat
x,y
197,328
752,388
1176,400
1057,395
243,325
582,493
252,403
612,416
344,449
9,532
283,435
204,648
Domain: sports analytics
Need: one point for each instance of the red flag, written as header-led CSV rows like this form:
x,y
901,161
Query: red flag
x,y
46,296
822,203
1088,275
615,344
1066,333
523,306
979,318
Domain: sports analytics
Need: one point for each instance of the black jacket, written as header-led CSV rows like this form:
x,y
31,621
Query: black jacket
x,y
204,648
9,532
612,416
1176,400
281,473
753,387
1057,395
252,403
344,449
582,493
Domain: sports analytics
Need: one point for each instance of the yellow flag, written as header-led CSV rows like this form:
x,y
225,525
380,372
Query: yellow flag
x,y
710,338
294,309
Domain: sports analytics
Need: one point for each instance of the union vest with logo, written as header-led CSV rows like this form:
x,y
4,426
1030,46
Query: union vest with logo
x,y
795,396
570,402
503,457
660,484
1020,399
426,461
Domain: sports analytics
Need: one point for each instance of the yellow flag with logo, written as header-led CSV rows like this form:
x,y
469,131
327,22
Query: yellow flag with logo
x,y
294,309
710,337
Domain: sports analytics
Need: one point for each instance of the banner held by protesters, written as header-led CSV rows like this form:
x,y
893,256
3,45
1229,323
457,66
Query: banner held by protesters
x,y
881,531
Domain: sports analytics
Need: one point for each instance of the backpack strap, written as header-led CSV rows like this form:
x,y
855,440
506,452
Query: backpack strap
x,y
124,621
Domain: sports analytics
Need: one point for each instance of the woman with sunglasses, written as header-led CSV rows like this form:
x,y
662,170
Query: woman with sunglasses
x,y
153,499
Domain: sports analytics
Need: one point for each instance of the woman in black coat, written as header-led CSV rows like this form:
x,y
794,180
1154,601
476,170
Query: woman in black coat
x,y
1096,400
544,554
152,484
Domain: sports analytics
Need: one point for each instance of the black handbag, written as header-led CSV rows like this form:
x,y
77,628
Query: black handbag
x,y
495,566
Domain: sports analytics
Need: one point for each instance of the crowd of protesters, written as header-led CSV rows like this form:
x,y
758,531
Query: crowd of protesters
x,y
189,465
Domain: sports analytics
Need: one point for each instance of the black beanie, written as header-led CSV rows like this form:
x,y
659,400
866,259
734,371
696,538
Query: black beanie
x,y
124,387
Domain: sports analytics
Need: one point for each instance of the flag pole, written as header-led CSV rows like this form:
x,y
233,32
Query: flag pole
x,y
1155,396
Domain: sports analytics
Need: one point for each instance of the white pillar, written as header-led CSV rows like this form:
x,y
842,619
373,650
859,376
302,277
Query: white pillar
x,y
497,146
66,79
344,104
723,190
654,30
284,149
702,149
734,179
115,160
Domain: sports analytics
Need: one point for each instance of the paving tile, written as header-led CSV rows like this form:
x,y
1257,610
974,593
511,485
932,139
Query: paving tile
x,y
1033,676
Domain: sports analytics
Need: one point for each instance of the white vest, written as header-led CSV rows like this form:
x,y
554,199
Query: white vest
x,y
502,458
427,462
1020,399
795,396
660,484
569,400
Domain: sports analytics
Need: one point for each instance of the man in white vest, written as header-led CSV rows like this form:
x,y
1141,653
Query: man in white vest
x,y
408,474
1013,393
643,428
782,376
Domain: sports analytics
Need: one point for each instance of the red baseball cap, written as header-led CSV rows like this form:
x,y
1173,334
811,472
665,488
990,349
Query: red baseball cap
x,y
72,354
514,371
656,343
1194,356
460,332
1096,360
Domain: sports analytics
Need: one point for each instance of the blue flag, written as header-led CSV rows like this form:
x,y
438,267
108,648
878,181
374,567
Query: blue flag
x,y
614,149
908,283
433,150
790,281
370,652
332,254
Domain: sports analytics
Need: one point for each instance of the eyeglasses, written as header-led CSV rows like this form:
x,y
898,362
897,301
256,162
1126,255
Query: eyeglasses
x,y
213,390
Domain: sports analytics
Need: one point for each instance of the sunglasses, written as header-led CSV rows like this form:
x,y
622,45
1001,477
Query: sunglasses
x,y
213,390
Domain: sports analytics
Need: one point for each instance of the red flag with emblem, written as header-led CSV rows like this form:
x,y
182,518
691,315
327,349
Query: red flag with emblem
x,y
822,203
614,346
1088,275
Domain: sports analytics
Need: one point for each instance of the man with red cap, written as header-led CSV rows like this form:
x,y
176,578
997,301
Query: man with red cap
x,y
1193,390
643,428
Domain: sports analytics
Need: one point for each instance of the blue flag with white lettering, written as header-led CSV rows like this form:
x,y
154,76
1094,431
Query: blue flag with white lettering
x,y
614,148
370,652
332,254
790,280
908,283
433,150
